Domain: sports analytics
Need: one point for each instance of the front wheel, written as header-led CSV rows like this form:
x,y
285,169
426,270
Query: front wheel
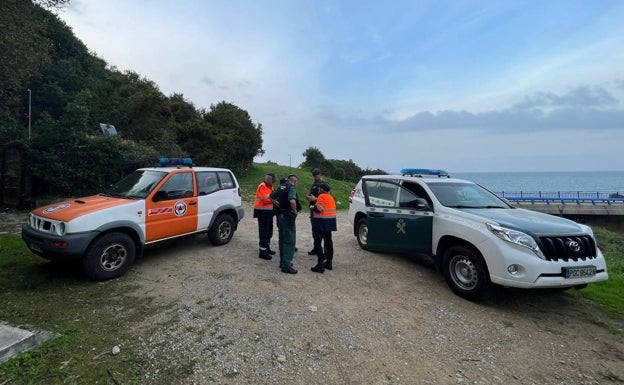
x,y
361,229
222,230
109,256
466,273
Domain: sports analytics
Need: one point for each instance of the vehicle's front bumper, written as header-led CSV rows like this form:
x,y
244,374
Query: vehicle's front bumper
x,y
534,272
48,245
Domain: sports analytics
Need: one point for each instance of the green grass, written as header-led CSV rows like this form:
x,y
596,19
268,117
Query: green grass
x,y
250,179
86,319
609,294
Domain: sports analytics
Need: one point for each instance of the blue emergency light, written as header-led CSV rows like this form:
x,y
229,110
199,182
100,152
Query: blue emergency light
x,y
172,162
424,172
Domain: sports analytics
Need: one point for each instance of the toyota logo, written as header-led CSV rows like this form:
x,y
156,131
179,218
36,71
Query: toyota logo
x,y
574,246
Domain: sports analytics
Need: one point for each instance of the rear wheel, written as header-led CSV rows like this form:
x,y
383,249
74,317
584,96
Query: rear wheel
x,y
466,273
361,229
222,230
109,256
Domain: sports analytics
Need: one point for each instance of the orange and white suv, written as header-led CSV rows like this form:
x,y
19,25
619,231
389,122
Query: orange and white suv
x,y
106,231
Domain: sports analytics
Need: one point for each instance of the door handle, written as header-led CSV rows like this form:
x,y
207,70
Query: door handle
x,y
376,215
192,203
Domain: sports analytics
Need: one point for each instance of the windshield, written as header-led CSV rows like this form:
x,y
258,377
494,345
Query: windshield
x,y
136,185
466,195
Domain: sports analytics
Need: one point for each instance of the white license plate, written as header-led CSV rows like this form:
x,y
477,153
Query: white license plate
x,y
579,272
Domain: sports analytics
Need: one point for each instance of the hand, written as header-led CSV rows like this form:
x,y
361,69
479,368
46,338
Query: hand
x,y
292,214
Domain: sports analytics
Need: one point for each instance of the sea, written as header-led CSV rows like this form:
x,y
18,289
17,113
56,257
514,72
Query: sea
x,y
582,181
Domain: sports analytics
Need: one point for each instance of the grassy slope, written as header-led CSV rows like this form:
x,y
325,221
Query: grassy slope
x,y
250,179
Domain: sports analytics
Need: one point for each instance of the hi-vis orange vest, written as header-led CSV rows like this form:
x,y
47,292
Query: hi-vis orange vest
x,y
325,206
263,206
324,214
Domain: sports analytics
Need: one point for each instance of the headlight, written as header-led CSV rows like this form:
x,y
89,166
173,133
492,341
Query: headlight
x,y
517,237
59,228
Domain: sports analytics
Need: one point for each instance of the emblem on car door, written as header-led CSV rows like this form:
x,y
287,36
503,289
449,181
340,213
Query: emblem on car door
x,y
179,208
401,226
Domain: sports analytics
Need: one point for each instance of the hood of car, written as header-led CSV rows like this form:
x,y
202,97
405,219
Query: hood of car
x,y
70,209
527,221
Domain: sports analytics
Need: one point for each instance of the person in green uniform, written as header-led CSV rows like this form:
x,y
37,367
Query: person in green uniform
x,y
286,219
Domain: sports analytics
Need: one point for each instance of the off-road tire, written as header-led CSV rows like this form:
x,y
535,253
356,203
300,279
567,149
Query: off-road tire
x,y
222,230
109,256
466,273
361,231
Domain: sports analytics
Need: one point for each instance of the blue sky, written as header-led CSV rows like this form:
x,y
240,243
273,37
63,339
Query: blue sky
x,y
457,85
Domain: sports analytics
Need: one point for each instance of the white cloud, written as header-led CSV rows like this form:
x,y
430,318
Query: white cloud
x,y
464,86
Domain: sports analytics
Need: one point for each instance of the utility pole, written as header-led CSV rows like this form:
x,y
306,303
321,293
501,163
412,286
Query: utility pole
x,y
29,111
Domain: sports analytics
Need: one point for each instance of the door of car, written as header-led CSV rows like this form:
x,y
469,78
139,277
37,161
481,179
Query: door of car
x,y
216,189
398,219
172,207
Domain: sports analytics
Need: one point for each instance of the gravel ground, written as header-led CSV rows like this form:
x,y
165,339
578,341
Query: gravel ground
x,y
227,317
232,318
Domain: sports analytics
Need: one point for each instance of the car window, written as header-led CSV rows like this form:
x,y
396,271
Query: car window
x,y
419,191
207,182
381,194
465,195
178,186
226,180
386,194
137,184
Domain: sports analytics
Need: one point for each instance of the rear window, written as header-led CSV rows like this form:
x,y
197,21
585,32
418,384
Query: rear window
x,y
211,181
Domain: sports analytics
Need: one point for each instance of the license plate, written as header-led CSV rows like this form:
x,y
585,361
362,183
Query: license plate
x,y
579,272
35,247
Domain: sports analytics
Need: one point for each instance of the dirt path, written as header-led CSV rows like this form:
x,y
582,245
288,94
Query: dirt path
x,y
375,319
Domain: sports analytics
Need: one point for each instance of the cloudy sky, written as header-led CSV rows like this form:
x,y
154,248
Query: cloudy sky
x,y
457,85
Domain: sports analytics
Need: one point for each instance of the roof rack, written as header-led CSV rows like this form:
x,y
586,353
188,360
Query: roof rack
x,y
421,172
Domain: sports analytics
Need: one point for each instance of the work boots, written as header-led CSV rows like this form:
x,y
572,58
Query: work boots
x,y
319,268
263,254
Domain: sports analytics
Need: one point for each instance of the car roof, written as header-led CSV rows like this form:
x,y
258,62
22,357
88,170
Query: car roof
x,y
170,169
426,179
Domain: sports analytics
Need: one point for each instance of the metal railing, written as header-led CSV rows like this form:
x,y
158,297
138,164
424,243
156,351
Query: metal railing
x,y
563,197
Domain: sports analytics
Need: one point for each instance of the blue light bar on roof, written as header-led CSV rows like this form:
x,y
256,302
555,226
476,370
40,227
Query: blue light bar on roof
x,y
164,162
424,171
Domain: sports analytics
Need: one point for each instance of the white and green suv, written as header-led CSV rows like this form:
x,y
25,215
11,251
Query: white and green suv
x,y
476,238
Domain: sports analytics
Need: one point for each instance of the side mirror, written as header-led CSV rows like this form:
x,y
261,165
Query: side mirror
x,y
420,204
160,196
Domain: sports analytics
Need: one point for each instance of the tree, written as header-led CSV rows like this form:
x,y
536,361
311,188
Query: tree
x,y
239,139
24,50
313,158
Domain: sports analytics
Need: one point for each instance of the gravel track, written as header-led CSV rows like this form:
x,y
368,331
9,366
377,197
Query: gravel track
x,y
376,318
221,315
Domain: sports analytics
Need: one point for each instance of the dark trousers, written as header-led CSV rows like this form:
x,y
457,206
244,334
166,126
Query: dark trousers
x,y
265,232
287,238
324,245
314,232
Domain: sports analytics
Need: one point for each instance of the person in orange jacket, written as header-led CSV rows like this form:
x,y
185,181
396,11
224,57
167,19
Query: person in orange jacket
x,y
323,223
263,211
